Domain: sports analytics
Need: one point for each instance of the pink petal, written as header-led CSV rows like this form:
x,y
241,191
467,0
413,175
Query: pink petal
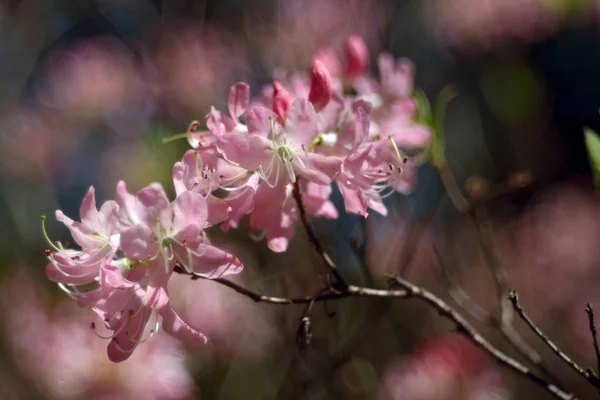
x,y
241,205
189,208
213,262
319,169
268,204
88,211
122,346
174,325
218,210
139,243
249,151
329,116
354,202
301,123
316,200
238,100
178,174
107,217
281,230
82,234
155,204
156,292
217,124
130,210
259,122
75,267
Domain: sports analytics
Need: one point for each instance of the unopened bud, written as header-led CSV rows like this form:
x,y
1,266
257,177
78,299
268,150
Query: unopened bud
x,y
281,101
320,86
357,58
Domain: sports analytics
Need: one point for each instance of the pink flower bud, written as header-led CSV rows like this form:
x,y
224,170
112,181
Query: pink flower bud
x,y
281,101
320,86
357,58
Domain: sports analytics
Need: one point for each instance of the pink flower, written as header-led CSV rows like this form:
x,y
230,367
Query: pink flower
x,y
279,153
203,171
96,227
97,235
127,310
154,229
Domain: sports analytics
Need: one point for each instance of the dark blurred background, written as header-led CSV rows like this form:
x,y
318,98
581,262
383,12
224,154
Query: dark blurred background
x,y
89,88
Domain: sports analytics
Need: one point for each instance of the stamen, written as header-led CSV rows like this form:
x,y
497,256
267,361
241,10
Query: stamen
x,y
62,272
46,234
397,150
263,175
290,169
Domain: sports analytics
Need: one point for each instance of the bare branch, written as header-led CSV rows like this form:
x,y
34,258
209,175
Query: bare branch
x,y
339,282
323,295
504,321
590,312
407,290
514,298
467,329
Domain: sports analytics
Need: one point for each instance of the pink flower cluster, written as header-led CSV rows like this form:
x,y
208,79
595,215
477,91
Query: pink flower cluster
x,y
333,125
129,250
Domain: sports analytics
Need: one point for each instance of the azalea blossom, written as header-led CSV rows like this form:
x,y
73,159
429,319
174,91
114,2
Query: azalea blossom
x,y
332,124
130,249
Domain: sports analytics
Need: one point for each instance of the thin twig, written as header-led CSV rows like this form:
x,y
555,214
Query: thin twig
x,y
590,312
350,291
408,290
339,282
467,329
504,321
458,294
514,298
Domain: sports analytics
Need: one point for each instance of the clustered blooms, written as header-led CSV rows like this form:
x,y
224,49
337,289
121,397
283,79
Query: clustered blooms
x,y
304,132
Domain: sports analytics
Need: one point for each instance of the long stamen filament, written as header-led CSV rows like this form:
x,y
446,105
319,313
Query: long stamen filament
x,y
55,247
401,158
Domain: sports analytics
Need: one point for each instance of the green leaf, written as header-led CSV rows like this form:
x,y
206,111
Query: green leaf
x,y
592,143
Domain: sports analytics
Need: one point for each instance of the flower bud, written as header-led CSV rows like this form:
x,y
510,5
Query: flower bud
x,y
281,101
320,86
357,58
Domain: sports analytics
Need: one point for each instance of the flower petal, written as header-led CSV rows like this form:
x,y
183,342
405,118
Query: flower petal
x,y
176,327
139,243
301,123
238,100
